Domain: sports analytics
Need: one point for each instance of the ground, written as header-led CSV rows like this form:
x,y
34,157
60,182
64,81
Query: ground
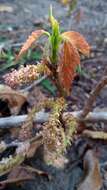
x,y
90,19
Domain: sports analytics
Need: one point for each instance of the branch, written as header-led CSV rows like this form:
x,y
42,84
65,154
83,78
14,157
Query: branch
x,y
41,117
93,117
93,95
14,121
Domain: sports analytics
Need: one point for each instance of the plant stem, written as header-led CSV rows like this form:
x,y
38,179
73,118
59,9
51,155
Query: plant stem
x,y
93,95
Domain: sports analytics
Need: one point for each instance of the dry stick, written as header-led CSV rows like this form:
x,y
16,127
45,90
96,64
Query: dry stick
x,y
91,117
41,117
14,121
88,106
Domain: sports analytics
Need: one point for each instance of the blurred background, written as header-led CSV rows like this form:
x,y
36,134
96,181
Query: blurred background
x,y
18,17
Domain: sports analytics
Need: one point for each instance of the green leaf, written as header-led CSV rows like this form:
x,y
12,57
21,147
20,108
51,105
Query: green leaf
x,y
79,70
46,83
55,38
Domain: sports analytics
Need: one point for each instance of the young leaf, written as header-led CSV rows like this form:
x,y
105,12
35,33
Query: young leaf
x,y
78,41
55,38
68,62
31,39
54,22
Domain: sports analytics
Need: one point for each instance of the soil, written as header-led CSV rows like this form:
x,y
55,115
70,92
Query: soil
x,y
90,19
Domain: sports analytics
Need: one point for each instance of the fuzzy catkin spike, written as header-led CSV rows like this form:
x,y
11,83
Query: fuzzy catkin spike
x,y
26,129
52,135
24,75
71,128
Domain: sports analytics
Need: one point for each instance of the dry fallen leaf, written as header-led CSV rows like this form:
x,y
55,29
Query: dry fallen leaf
x,y
17,175
14,98
36,96
21,174
92,179
33,147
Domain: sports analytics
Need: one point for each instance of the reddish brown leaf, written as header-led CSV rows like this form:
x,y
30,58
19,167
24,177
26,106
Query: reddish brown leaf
x,y
68,62
78,41
31,39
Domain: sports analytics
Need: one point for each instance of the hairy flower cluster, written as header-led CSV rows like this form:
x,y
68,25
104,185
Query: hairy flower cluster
x,y
71,129
22,76
53,133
